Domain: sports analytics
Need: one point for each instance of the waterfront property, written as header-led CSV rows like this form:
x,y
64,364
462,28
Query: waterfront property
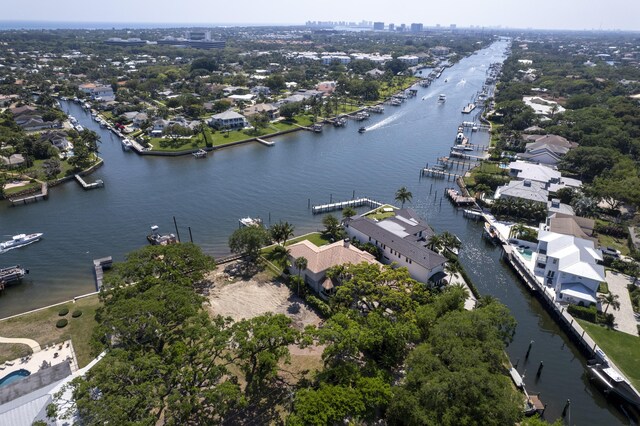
x,y
228,120
524,190
546,149
403,241
569,265
320,259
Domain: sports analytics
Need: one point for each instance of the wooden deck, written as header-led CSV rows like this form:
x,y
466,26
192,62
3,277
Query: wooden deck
x,y
359,202
99,265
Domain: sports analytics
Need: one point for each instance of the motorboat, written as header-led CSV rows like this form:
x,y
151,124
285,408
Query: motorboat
x,y
19,241
12,274
614,383
126,144
442,97
201,153
157,239
250,221
362,129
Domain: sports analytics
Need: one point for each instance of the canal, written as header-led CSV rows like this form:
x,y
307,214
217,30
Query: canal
x,y
276,183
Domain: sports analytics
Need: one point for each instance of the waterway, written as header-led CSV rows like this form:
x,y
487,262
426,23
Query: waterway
x,y
276,183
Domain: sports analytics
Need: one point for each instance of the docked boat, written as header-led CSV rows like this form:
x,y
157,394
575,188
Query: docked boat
x,y
442,98
79,128
19,241
126,144
201,153
470,107
316,128
614,383
250,221
362,129
11,274
157,239
491,233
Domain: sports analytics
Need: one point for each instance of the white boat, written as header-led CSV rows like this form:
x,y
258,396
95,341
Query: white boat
x,y
442,97
201,153
79,127
157,239
19,241
126,144
249,221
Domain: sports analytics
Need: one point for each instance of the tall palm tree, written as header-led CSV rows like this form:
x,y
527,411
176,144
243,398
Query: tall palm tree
x,y
403,195
281,232
611,300
300,263
434,243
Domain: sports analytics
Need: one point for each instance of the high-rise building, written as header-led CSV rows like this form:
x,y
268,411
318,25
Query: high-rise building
x,y
392,27
378,26
416,28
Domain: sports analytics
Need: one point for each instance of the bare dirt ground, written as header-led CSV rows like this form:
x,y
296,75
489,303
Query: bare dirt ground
x,y
239,295
242,296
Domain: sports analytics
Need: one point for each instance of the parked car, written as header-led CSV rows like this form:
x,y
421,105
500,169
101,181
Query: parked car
x,y
610,251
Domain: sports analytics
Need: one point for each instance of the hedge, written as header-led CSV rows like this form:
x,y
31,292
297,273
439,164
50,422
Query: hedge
x,y
587,314
64,311
62,323
76,314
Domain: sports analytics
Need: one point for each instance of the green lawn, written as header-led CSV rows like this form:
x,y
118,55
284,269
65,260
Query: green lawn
x,y
617,243
9,192
622,348
41,327
379,214
177,145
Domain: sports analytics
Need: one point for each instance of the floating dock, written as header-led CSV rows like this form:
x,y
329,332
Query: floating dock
x,y
457,198
359,202
264,142
11,274
438,172
87,186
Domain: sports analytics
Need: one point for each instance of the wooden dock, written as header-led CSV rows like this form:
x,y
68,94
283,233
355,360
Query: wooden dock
x,y
359,202
264,142
99,265
438,172
448,163
11,274
42,195
472,214
457,198
87,186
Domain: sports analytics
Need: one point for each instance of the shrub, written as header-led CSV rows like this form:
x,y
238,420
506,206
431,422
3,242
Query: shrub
x,y
320,305
64,311
587,314
76,314
62,323
612,230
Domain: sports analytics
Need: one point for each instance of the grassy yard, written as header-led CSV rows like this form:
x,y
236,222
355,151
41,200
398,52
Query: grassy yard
x,y
177,145
380,214
616,243
11,191
41,327
622,348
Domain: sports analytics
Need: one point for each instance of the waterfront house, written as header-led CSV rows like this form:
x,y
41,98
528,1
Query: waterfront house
x,y
326,87
579,227
546,149
523,189
539,105
551,178
569,265
321,259
158,127
269,110
228,120
409,60
58,139
402,239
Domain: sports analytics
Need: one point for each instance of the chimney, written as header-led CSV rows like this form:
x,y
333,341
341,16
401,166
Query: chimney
x,y
346,242
527,183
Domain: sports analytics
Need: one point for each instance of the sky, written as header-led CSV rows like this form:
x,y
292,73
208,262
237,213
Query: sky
x,y
538,14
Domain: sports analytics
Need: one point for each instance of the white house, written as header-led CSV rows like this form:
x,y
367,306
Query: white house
x,y
546,149
403,240
523,189
320,259
228,120
551,178
569,265
409,60
542,106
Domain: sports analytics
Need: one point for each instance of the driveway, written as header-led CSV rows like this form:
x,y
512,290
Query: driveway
x,y
625,320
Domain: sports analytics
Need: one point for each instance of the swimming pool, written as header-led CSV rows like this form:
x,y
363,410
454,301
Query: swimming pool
x,y
14,376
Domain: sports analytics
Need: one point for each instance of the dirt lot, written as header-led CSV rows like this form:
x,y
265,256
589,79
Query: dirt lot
x,y
239,297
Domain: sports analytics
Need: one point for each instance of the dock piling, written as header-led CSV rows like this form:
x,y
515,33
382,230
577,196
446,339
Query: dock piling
x,y
528,350
539,369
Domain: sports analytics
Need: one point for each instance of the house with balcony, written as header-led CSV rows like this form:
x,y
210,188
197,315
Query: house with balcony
x,y
321,259
228,120
402,240
569,265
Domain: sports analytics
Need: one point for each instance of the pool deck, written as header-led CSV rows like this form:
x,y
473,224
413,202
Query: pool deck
x,y
42,358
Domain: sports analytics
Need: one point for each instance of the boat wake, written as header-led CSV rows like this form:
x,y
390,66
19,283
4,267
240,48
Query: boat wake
x,y
385,122
461,83
429,96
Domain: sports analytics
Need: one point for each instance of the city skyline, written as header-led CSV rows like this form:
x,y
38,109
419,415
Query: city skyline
x,y
545,14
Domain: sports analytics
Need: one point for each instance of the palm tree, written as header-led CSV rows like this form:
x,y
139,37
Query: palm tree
x,y
348,212
300,263
403,195
611,300
281,232
434,243
449,240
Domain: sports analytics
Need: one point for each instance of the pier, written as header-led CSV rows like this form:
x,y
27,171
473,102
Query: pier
x,y
87,186
478,126
11,274
438,172
457,198
264,142
359,202
99,265
42,195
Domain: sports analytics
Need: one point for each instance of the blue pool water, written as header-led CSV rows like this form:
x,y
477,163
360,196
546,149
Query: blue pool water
x,y
14,377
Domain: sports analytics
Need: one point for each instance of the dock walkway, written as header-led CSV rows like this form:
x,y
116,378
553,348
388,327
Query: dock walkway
x,y
264,142
359,202
86,186
457,198
438,172
99,265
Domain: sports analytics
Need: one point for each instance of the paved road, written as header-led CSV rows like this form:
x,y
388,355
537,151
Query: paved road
x,y
625,320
